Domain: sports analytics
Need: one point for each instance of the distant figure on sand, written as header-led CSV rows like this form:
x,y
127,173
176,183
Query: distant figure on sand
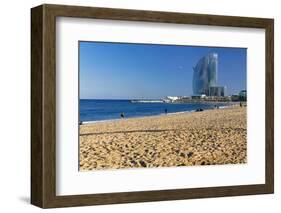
x,y
241,104
122,115
166,111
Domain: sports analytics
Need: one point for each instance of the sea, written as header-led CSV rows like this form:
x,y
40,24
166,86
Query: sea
x,y
92,110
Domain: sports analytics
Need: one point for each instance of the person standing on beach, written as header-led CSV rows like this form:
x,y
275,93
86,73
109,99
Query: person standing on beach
x,y
166,111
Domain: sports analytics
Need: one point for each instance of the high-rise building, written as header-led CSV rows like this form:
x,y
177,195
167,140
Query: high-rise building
x,y
205,74
218,91
205,77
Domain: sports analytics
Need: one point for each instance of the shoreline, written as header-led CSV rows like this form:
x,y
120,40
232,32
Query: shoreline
x,y
210,137
162,114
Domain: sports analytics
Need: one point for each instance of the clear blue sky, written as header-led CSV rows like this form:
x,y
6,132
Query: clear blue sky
x,y
127,71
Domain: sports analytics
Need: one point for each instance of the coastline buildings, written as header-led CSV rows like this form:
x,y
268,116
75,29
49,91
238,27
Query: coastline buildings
x,y
205,85
205,77
243,95
218,91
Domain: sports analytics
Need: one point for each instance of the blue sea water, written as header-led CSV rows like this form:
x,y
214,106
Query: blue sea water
x,y
98,110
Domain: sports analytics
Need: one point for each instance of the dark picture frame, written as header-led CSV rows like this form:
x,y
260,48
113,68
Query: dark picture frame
x,y
43,105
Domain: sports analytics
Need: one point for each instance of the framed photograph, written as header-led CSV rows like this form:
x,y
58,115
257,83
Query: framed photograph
x,y
136,106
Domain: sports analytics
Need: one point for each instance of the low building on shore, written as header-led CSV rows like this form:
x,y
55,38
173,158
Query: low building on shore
x,y
243,95
198,97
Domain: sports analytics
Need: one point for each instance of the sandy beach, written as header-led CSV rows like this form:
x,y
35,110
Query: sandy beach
x,y
210,137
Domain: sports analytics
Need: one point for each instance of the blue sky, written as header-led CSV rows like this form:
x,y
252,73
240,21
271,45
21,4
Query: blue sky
x,y
127,71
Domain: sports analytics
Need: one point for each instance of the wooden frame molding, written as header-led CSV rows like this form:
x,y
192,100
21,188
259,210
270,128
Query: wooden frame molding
x,y
43,105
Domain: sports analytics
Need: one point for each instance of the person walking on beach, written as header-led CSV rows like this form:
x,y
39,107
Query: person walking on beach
x,y
166,111
122,115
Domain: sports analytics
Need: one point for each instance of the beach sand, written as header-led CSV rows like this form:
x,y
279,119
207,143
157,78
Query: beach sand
x,y
194,138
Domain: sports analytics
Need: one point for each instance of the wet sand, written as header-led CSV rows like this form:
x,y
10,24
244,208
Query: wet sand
x,y
194,138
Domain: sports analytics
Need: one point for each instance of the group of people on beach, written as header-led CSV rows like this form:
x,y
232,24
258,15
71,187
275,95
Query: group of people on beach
x,y
242,105
122,115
